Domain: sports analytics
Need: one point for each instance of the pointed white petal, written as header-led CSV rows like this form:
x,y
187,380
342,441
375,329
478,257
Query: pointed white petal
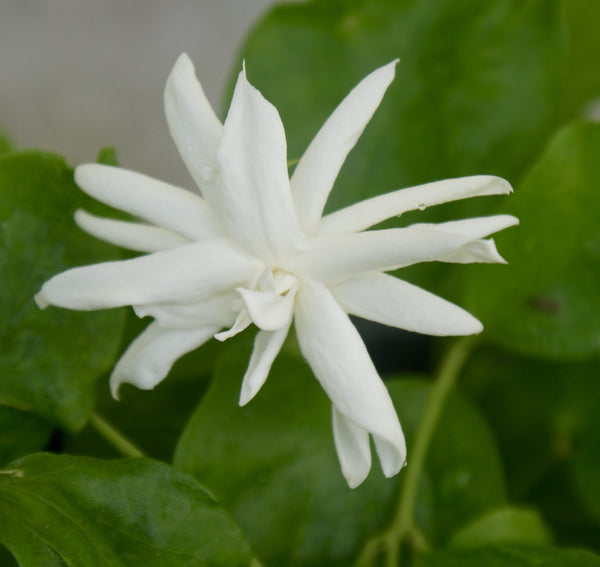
x,y
194,127
353,449
256,193
154,201
372,211
478,227
150,356
316,172
187,273
390,458
478,251
218,309
336,258
269,311
390,301
131,235
483,251
341,363
267,345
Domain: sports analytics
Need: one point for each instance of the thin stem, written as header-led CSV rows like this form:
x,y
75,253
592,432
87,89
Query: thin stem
x,y
402,528
445,380
114,437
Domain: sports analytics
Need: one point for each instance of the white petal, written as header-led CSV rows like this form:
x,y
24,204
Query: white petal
x,y
188,273
241,323
336,258
478,227
483,251
194,126
256,193
477,251
372,211
131,235
152,354
353,449
317,170
267,345
390,301
268,311
218,309
154,201
341,363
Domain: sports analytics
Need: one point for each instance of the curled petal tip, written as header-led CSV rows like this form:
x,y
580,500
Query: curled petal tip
x,y
354,482
504,187
40,301
115,386
245,397
478,329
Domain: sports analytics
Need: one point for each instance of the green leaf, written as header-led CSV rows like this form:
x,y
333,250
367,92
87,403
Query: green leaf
x,y
510,556
505,525
475,92
274,460
544,417
107,156
541,303
63,510
582,81
586,467
5,144
281,466
49,359
22,433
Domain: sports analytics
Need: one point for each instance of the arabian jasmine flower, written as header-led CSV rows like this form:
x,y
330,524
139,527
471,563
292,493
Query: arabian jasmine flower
x,y
251,246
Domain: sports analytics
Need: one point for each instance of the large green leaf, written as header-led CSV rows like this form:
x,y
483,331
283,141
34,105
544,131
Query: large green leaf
x,y
274,459
475,92
543,302
49,359
544,415
62,510
510,556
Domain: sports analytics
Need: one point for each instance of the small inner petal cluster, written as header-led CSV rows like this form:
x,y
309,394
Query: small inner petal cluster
x,y
250,246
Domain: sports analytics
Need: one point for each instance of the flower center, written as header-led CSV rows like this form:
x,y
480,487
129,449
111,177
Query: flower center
x,y
269,303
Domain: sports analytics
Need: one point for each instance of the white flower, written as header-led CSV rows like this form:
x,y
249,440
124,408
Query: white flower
x,y
253,247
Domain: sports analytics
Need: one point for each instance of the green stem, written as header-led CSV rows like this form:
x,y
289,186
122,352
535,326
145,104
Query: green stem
x,y
114,437
445,380
402,528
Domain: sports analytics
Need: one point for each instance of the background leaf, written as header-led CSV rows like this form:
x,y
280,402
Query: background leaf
x,y
49,359
22,433
5,144
62,510
549,290
582,81
475,92
281,466
544,416
505,525
510,556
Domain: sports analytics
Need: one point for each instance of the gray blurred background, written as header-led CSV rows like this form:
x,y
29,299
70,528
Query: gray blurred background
x,y
76,75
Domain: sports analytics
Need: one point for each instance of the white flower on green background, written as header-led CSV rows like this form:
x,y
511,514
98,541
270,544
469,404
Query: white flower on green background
x,y
251,246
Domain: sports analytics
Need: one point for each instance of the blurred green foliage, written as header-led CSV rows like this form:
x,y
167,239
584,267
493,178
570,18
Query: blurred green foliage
x,y
512,475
